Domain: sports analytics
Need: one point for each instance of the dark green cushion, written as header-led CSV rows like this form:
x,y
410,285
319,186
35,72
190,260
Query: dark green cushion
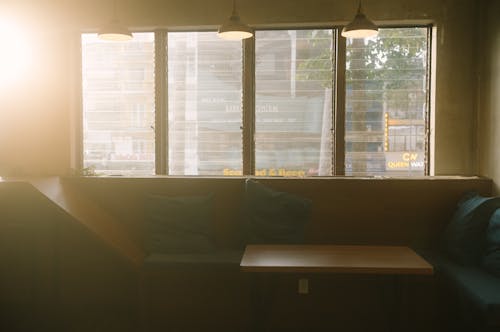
x,y
178,224
491,260
465,234
274,217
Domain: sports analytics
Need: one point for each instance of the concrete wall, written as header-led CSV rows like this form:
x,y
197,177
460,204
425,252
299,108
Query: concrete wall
x,y
489,115
38,111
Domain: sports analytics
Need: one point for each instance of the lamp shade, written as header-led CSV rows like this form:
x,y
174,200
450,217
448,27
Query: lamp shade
x,y
234,29
360,27
114,31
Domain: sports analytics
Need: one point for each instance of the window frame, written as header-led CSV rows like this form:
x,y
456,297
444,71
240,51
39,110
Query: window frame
x,y
248,98
335,67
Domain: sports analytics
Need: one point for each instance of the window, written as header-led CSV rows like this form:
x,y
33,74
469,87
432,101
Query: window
x,y
293,102
204,104
387,97
119,105
268,106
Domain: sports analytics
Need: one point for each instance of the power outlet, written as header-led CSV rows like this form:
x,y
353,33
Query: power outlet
x,y
303,286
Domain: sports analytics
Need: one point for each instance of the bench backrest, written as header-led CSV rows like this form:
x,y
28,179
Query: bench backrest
x,y
345,210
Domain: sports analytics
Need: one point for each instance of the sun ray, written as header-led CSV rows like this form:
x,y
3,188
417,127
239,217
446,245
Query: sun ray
x,y
16,55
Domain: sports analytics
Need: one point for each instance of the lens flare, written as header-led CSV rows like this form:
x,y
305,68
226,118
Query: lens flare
x,y
15,55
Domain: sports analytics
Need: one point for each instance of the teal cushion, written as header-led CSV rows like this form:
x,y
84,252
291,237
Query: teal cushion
x,y
465,234
491,260
274,217
178,224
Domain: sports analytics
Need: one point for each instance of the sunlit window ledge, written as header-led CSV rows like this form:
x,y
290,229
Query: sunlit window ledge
x,y
340,178
315,178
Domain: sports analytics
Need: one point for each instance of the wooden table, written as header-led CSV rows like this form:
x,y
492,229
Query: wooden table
x,y
263,260
355,259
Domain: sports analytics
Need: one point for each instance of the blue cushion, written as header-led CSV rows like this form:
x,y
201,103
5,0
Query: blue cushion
x,y
491,260
465,234
178,224
274,217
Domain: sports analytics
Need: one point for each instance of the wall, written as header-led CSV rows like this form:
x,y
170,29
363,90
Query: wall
x,y
34,105
38,113
489,116
55,275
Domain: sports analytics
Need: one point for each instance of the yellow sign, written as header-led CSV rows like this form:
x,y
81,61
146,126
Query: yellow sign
x,y
267,172
404,161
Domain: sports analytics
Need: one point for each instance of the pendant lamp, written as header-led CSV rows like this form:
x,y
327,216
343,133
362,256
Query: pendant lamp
x,y
233,28
360,26
114,30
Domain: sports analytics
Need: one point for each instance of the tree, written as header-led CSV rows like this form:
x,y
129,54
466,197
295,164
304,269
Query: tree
x,y
384,74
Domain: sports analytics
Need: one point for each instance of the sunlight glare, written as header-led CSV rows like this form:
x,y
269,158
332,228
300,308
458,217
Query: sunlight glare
x,y
15,56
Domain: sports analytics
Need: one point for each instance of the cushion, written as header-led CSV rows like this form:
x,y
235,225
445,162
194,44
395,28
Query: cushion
x,y
465,234
491,260
274,217
178,224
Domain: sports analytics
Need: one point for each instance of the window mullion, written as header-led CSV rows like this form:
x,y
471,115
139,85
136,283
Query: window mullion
x,y
161,103
248,106
339,117
428,82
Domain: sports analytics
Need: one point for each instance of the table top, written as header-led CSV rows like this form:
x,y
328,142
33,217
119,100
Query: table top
x,y
356,259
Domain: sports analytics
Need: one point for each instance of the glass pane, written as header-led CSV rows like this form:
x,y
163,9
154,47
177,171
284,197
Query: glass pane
x,y
118,105
204,104
387,103
293,103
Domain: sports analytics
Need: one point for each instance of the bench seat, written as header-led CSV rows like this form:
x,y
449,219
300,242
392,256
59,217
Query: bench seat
x,y
474,291
230,258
